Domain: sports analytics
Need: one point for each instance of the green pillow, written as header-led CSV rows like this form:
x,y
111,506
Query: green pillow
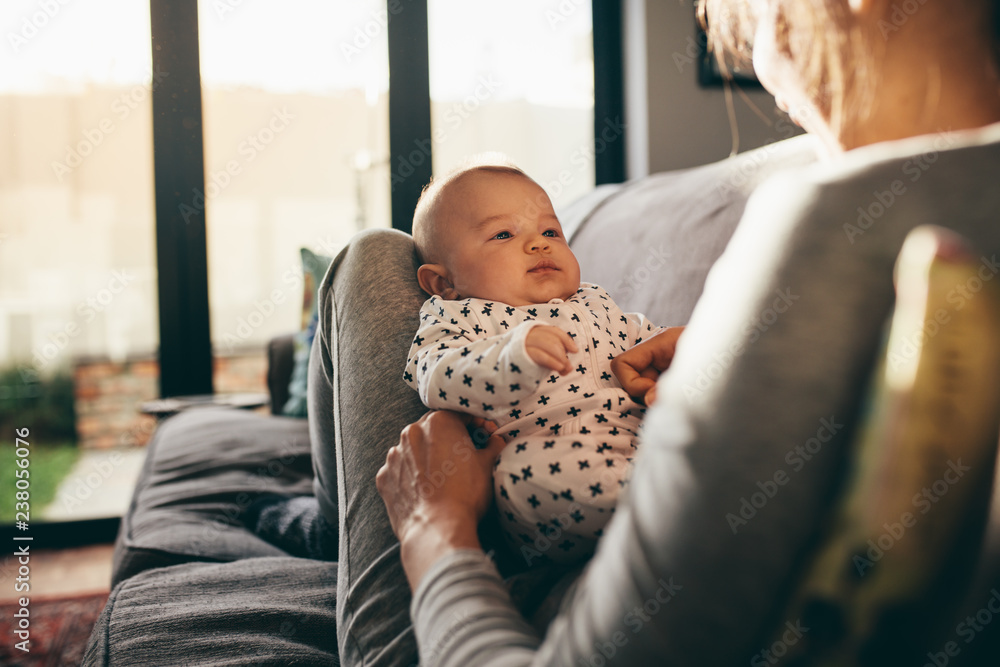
x,y
314,267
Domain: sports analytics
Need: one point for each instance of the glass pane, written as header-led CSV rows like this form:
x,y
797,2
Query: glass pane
x,y
296,148
78,307
515,77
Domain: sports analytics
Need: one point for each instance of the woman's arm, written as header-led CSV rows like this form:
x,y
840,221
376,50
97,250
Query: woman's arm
x,y
436,487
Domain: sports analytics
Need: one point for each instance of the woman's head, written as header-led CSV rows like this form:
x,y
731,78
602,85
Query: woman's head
x,y
825,60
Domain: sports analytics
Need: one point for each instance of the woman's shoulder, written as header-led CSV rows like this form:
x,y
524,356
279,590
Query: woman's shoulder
x,y
968,156
883,190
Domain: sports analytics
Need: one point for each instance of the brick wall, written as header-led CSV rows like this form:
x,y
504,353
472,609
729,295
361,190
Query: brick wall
x,y
108,395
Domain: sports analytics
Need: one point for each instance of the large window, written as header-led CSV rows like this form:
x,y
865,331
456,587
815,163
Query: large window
x,y
296,151
515,77
78,311
295,110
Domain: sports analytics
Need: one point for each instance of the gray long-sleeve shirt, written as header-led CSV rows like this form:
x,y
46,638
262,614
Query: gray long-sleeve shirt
x,y
779,348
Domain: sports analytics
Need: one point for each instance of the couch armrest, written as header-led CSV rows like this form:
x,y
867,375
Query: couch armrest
x,y
280,362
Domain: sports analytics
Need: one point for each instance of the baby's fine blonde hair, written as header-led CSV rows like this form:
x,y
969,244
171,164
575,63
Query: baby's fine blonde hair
x,y
425,216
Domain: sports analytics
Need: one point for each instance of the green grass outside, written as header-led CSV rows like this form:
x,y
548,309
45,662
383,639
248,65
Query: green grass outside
x,y
49,464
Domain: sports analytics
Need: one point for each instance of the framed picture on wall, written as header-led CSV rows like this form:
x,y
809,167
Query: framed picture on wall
x,y
710,75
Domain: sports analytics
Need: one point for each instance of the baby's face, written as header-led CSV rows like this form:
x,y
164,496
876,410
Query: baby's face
x,y
503,242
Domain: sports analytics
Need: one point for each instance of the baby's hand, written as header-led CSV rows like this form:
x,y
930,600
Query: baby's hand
x,y
548,346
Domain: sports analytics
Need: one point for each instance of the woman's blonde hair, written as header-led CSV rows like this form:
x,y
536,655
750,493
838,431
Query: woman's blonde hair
x,y
826,46
824,57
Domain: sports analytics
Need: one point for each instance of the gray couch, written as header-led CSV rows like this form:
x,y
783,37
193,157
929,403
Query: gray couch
x,y
193,586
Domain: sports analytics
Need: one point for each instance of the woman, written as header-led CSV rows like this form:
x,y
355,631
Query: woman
x,y
672,582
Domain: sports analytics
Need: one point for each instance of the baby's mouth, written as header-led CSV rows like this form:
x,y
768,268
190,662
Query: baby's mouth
x,y
544,265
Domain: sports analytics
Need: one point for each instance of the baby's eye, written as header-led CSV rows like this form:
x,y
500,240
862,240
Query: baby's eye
x,y
502,235
550,232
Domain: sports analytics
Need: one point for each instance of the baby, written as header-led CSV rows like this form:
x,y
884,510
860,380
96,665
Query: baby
x,y
511,335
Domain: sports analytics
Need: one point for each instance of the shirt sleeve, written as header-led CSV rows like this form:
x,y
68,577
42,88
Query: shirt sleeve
x,y
463,615
455,364
639,328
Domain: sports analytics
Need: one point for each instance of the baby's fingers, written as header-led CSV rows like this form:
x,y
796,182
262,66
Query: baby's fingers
x,y
568,343
553,359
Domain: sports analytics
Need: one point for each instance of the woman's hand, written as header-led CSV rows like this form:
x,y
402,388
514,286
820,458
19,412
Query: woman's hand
x,y
436,487
638,368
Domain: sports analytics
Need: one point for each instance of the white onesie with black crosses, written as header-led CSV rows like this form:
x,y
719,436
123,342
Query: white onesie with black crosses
x,y
570,438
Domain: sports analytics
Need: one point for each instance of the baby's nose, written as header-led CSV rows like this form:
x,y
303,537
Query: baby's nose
x,y
539,243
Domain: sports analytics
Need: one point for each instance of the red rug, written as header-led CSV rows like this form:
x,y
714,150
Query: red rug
x,y
60,629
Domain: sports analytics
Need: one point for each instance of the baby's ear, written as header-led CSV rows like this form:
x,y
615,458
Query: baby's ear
x,y
433,279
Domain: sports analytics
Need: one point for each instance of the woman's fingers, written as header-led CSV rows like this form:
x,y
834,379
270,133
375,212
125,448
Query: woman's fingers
x,y
638,368
485,424
629,367
436,470
480,430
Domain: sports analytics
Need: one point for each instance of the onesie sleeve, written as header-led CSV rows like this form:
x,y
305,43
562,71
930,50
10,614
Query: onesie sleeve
x,y
456,364
639,328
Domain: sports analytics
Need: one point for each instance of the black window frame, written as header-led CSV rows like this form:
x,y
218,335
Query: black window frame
x,y
185,349
178,156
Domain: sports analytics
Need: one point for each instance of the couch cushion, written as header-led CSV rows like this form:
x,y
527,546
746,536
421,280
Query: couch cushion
x,y
270,611
203,468
667,230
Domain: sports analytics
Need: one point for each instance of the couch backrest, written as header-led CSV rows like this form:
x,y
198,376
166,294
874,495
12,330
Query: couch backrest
x,y
650,242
